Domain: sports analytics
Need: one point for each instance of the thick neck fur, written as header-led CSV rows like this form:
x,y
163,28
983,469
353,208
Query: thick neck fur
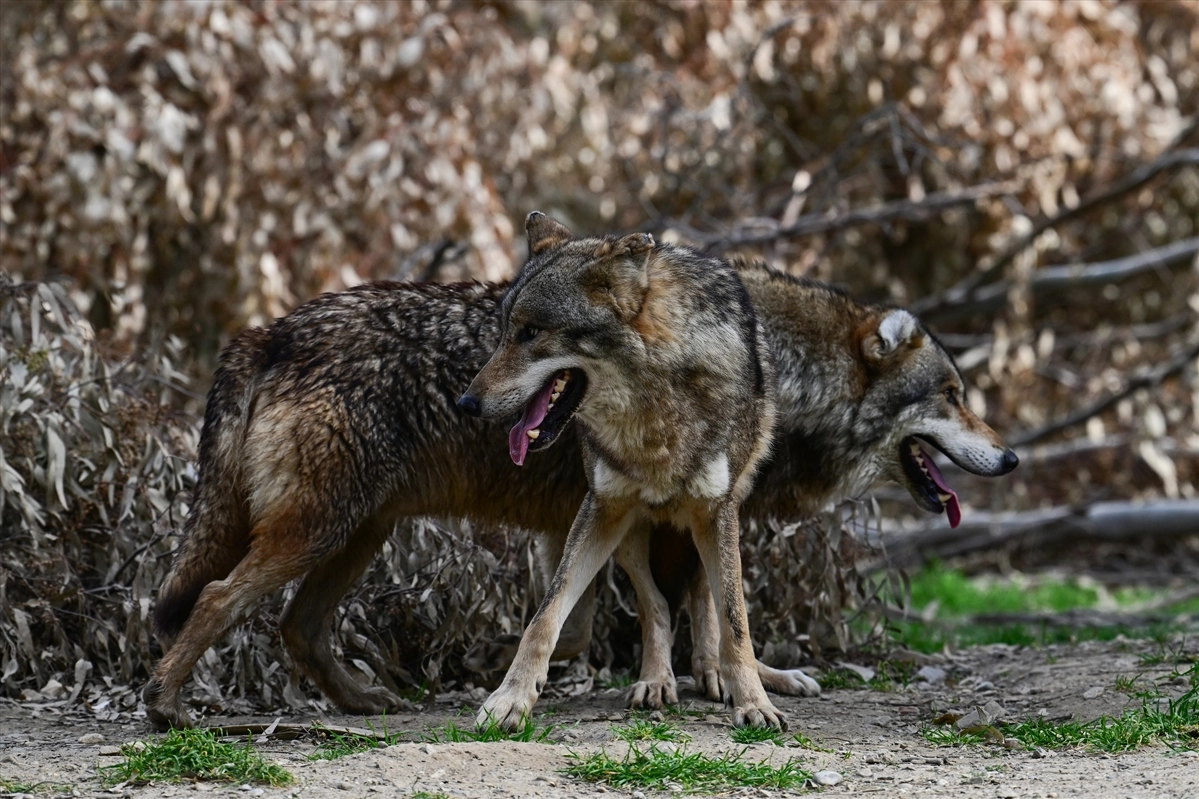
x,y
826,438
660,408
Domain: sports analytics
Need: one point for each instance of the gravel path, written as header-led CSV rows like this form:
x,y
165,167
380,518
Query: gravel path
x,y
874,737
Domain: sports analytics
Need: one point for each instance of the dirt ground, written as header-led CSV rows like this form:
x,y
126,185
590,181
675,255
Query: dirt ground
x,y
874,736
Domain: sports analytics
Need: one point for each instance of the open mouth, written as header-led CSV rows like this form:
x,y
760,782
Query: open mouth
x,y
547,414
925,481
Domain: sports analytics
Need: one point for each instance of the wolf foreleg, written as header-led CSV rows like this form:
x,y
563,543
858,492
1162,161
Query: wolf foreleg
x,y
594,536
656,686
717,536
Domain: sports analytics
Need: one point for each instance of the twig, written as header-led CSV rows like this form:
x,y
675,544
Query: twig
x,y
822,222
1055,279
1148,379
965,288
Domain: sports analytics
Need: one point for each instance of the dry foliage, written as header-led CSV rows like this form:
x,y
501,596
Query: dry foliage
x,y
177,171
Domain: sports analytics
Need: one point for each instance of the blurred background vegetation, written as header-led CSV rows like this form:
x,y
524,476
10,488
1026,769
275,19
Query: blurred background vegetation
x,y
1024,175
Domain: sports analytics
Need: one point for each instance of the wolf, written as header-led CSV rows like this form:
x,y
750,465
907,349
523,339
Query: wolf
x,y
324,428
656,353
864,393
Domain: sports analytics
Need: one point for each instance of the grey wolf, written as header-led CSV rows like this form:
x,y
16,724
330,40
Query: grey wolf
x,y
656,354
864,393
325,427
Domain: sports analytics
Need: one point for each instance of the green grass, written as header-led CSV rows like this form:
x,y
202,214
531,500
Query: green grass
x,y
620,679
887,675
757,735
13,786
193,755
336,744
1159,720
663,770
959,597
642,730
804,742
528,732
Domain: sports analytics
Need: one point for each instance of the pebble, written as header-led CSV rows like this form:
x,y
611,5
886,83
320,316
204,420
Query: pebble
x,y
932,675
1093,693
865,773
826,777
638,795
1006,793
110,751
91,738
343,786
427,749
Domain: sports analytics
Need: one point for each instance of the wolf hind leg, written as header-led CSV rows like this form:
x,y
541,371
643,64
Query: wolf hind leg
x,y
271,563
306,624
656,686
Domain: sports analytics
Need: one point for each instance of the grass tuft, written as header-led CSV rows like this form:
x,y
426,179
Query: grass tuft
x,y
194,755
756,735
336,744
642,730
1159,720
676,769
528,732
8,786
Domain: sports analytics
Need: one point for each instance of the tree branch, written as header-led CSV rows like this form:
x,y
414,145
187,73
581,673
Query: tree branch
x,y
965,288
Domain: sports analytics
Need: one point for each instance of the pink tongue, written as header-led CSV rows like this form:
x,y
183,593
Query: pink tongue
x,y
534,415
952,509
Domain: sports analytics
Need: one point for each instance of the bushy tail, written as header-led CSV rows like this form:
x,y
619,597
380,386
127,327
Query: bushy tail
x,y
216,535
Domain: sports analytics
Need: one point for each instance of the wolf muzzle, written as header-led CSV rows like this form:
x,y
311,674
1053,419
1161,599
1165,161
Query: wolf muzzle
x,y
471,406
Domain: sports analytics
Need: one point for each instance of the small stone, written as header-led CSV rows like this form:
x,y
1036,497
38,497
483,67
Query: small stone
x,y
343,786
53,689
865,773
985,685
91,738
1093,693
638,795
427,749
993,711
971,719
932,675
245,787
1006,793
110,751
657,715
826,777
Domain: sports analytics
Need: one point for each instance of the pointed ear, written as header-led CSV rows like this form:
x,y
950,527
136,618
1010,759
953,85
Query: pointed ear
x,y
622,277
544,232
897,330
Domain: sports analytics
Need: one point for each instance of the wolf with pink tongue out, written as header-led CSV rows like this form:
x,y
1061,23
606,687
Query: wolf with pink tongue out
x,y
658,354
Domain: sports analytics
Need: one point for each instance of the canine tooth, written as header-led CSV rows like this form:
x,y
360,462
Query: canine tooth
x,y
554,397
533,434
944,497
559,384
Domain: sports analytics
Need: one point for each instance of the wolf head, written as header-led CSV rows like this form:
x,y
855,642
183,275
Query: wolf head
x,y
915,387
571,303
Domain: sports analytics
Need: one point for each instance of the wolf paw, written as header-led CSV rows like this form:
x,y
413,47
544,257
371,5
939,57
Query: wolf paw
x,y
653,694
760,716
707,680
164,713
793,682
507,709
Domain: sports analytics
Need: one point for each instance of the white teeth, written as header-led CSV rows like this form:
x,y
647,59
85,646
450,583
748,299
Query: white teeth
x,y
559,384
944,497
533,434
554,397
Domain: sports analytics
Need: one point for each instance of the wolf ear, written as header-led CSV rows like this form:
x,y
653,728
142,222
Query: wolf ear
x,y
544,232
898,329
622,276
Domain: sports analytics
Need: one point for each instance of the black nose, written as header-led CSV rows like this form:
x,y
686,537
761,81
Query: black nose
x,y
469,405
1010,461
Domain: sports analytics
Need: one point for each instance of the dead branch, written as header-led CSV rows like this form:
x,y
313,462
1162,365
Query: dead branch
x,y
825,221
1152,377
1057,279
1102,521
963,290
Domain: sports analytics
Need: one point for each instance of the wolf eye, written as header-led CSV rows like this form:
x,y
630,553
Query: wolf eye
x,y
527,333
951,394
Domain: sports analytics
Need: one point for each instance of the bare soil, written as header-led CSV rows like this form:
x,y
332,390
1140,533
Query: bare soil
x,y
874,736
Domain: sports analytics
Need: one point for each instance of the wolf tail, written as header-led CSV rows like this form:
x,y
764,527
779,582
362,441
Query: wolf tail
x,y
216,535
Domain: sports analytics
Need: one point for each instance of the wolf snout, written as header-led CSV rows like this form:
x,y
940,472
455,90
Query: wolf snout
x,y
471,405
1008,461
